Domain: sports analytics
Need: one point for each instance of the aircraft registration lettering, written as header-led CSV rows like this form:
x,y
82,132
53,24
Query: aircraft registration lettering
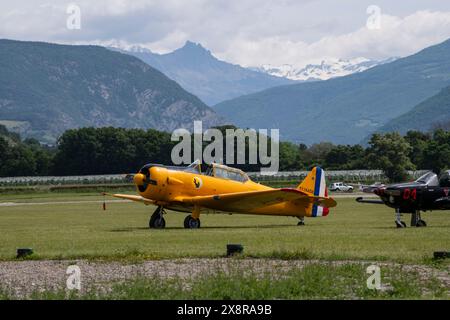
x,y
306,189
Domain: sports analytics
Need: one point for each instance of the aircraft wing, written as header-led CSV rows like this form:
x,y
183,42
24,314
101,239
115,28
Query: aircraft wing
x,y
362,200
131,197
256,199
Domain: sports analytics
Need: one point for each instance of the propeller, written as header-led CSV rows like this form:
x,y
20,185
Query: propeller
x,y
142,180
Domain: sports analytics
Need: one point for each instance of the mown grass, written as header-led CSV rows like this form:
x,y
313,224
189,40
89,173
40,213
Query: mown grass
x,y
314,281
352,231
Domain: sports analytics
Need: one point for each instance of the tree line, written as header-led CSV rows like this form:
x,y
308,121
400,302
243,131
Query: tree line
x,y
111,150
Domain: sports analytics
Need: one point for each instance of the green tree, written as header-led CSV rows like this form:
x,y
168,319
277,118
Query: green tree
x,y
42,156
315,155
110,150
390,153
436,155
419,142
18,161
345,157
77,153
289,156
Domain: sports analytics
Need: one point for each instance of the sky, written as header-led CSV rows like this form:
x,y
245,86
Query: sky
x,y
245,32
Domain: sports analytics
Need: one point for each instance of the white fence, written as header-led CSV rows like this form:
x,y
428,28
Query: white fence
x,y
344,175
64,180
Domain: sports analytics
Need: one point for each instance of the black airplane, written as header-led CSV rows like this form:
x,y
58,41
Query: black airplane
x,y
429,192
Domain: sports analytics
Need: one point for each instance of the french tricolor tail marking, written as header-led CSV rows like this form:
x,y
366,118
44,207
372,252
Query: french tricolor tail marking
x,y
314,184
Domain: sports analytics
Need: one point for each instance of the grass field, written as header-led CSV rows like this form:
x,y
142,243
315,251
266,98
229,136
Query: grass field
x,y
83,230
74,228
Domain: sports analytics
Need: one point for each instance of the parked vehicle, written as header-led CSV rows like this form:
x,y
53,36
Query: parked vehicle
x,y
340,186
372,187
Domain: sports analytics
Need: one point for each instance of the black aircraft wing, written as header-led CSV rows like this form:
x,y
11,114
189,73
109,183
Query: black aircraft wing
x,y
362,200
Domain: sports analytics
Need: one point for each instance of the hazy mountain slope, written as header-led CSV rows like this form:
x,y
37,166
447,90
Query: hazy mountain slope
x,y
48,88
209,78
345,109
424,116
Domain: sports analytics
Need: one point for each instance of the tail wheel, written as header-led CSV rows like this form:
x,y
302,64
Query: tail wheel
x,y
156,220
191,223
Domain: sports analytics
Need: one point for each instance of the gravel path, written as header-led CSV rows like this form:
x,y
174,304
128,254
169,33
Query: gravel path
x,y
24,277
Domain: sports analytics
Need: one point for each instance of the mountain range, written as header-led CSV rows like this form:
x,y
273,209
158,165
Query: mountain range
x,y
199,72
344,109
325,70
423,117
46,89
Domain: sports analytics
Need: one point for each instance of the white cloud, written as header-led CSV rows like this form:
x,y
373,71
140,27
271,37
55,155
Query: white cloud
x,y
397,37
247,32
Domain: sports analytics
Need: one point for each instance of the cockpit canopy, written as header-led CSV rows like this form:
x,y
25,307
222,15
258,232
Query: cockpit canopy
x,y
212,170
429,179
217,170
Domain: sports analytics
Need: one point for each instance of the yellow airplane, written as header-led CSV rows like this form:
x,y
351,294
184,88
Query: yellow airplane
x,y
215,188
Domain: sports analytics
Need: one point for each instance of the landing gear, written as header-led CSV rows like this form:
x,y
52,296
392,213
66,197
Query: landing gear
x,y
156,220
398,219
421,223
191,223
301,222
400,224
416,220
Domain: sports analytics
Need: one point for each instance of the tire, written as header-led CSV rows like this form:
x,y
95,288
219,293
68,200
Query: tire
x,y
421,223
157,221
191,223
401,225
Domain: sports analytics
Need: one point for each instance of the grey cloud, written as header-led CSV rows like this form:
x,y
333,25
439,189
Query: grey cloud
x,y
247,32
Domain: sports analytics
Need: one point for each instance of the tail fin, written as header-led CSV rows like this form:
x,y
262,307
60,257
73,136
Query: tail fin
x,y
315,185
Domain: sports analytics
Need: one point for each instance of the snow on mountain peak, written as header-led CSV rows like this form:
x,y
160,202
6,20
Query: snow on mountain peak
x,y
327,69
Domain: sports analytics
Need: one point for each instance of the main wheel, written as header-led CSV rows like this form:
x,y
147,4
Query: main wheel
x,y
400,225
421,223
301,223
156,220
191,223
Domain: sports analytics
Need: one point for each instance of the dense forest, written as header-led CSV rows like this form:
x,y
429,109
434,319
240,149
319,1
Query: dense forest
x,y
116,150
